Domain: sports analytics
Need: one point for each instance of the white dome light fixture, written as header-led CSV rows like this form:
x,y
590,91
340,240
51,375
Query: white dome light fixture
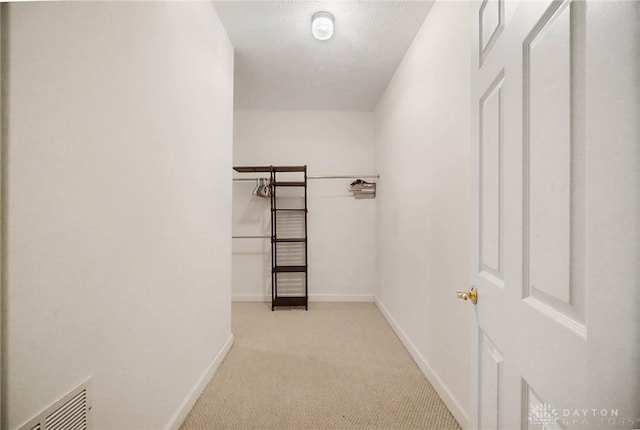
x,y
322,25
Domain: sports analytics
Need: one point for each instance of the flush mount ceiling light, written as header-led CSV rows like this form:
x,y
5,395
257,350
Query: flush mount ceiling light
x,y
322,25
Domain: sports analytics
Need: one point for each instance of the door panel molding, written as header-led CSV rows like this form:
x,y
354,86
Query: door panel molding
x,y
490,181
489,385
491,25
553,166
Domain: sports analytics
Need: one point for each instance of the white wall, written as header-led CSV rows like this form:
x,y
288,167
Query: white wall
x,y
341,229
422,152
119,196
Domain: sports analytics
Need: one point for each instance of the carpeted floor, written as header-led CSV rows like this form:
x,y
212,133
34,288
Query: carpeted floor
x,y
337,366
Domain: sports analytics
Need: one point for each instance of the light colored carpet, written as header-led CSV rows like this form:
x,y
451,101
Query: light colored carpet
x,y
337,366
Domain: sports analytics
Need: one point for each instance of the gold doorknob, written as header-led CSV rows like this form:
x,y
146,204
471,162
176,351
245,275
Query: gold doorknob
x,y
472,295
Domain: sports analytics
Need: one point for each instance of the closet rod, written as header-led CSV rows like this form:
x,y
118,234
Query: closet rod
x,y
246,179
345,177
324,177
250,237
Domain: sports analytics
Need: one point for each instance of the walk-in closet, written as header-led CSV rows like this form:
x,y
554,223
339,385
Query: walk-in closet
x,y
340,227
317,215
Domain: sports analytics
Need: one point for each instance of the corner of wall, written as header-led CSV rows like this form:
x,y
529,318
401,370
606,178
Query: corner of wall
x,y
190,400
445,393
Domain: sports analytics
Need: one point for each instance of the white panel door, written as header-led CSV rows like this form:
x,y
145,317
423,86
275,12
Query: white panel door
x,y
555,226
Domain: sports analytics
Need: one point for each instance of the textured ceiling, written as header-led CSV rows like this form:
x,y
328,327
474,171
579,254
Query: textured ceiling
x,y
280,66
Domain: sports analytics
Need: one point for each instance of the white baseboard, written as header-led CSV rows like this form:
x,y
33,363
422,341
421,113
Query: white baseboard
x,y
341,298
438,384
259,298
312,298
185,407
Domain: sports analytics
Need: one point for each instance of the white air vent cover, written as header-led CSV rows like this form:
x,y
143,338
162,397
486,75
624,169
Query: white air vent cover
x,y
71,412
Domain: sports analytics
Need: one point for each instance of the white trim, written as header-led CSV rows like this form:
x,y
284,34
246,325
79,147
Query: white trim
x,y
366,298
260,298
438,384
185,407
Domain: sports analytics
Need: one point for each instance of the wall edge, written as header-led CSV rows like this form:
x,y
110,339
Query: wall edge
x,y
187,404
454,406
